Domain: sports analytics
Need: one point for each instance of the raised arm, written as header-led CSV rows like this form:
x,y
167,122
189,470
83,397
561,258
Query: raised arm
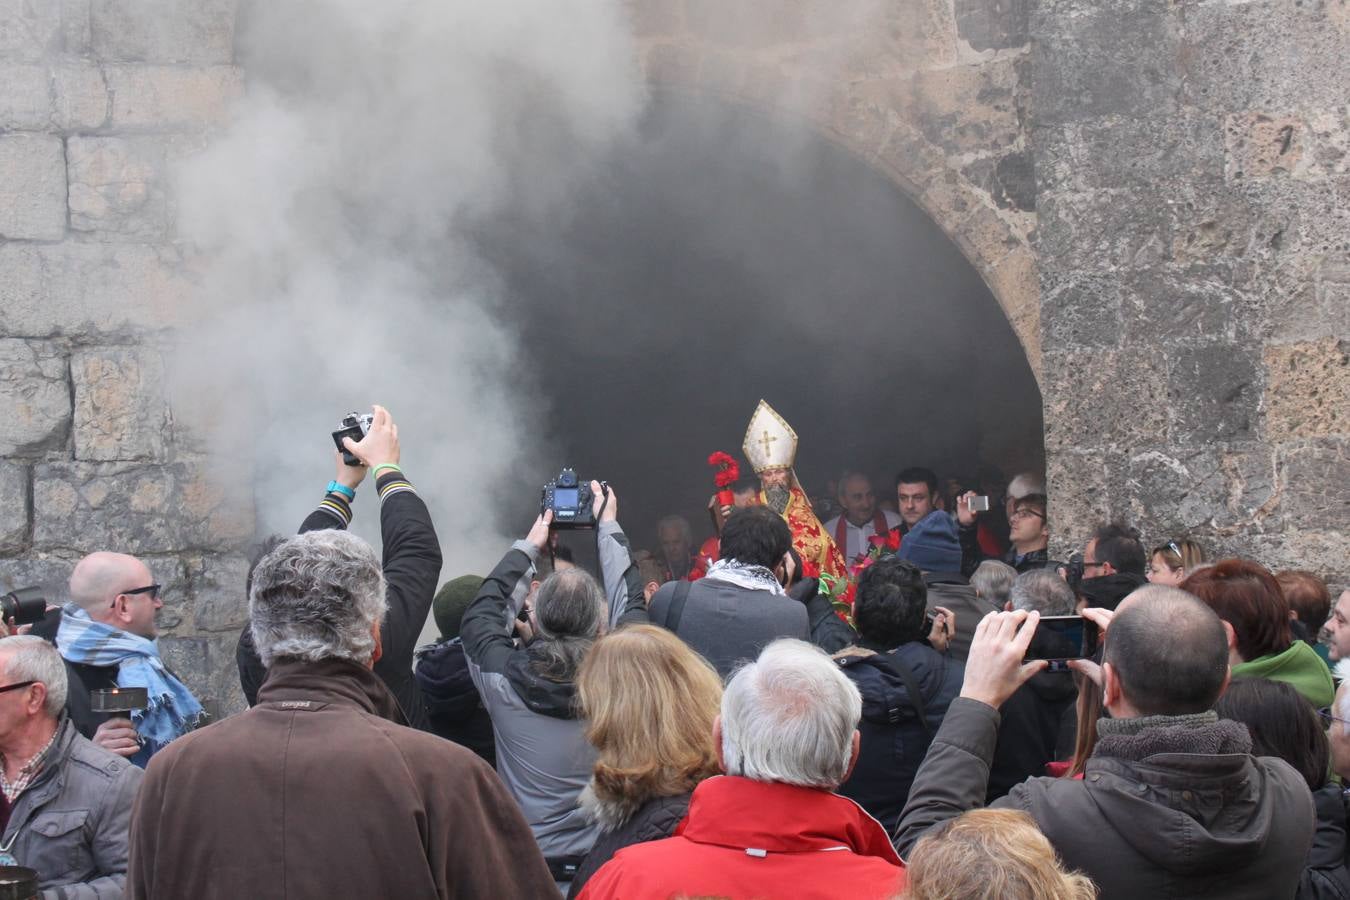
x,y
618,572
488,622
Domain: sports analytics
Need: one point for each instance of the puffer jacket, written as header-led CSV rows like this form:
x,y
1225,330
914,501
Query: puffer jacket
x,y
453,705
655,820
894,738
1169,812
71,824
1326,876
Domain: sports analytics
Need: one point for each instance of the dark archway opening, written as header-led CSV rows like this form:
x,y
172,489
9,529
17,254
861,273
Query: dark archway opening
x,y
722,257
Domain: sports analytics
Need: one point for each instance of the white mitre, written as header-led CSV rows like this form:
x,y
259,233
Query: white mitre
x,y
770,442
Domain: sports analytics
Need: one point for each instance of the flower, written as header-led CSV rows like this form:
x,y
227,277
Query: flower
x,y
810,569
728,469
893,539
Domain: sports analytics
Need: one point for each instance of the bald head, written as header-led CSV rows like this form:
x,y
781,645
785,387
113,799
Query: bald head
x,y
100,577
1169,650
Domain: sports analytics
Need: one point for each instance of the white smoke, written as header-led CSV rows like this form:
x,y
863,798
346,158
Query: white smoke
x,y
334,209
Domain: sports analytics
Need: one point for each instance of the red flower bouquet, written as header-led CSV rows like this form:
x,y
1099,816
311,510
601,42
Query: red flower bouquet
x,y
728,470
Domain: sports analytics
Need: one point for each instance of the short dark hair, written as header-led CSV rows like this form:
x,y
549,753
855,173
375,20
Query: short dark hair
x,y
756,536
1119,545
1281,722
1245,595
916,475
1307,595
1037,503
744,486
1169,650
891,602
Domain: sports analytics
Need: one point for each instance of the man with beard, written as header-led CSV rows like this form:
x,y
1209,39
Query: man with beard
x,y
771,446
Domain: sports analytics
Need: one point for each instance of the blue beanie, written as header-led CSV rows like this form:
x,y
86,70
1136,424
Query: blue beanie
x,y
932,544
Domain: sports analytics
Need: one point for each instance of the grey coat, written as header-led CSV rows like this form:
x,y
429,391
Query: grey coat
x,y
1161,814
71,823
728,624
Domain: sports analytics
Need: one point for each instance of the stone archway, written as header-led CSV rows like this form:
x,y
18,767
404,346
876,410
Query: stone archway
x,y
933,96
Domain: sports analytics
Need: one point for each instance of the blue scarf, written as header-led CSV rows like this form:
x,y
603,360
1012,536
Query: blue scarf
x,y
172,710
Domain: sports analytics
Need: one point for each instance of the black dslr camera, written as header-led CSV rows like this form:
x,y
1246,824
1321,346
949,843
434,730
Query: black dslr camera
x,y
1073,571
354,426
570,501
25,606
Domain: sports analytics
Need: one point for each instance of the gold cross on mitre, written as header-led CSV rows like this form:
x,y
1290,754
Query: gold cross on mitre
x,y
769,443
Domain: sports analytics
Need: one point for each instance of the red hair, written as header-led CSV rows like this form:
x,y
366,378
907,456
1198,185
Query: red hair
x,y
1245,595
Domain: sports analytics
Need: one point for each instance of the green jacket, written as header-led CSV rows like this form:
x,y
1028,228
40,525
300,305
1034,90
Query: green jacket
x,y
1300,666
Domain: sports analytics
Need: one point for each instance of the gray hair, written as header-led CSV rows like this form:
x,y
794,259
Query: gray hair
x,y
28,657
1024,484
571,611
992,580
317,596
1043,591
790,717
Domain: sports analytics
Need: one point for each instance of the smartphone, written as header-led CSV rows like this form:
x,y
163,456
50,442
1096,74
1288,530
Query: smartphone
x,y
1062,638
979,504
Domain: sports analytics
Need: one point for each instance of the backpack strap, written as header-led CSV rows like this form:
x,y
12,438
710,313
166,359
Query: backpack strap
x,y
676,609
896,665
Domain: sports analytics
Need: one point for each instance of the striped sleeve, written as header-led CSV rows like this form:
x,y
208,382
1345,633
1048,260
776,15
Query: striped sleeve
x,y
337,506
391,483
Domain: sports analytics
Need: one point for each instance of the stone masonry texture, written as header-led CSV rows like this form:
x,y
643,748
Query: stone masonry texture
x,y
1156,192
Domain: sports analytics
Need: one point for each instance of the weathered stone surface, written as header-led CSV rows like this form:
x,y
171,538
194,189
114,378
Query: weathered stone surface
x,y
992,24
1010,180
13,506
1083,392
41,570
191,660
120,412
1168,307
198,32
25,99
118,185
91,289
32,187
1316,480
163,98
1214,394
1090,231
220,601
1260,145
967,109
81,101
1086,490
137,508
1127,152
1308,388
1180,491
1082,312
29,31
34,398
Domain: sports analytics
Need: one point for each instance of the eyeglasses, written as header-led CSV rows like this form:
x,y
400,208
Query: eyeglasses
x,y
1089,564
1026,514
1327,717
16,686
151,589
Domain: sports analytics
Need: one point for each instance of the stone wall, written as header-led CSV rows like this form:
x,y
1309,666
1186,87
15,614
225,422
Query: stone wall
x,y
1193,196
97,99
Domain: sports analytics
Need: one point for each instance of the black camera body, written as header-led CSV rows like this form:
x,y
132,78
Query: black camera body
x,y
570,500
354,426
25,606
1073,571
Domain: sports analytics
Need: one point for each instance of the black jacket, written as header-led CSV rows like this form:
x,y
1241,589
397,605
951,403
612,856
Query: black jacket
x,y
972,555
1035,719
453,705
412,566
828,632
1326,877
655,820
894,737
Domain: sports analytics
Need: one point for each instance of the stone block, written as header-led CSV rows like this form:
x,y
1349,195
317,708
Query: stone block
x,y
966,109
135,508
1086,488
1101,229
1112,59
196,32
13,506
118,186
163,98
1328,143
191,660
26,100
1213,393
1167,307
1010,180
1082,312
81,98
80,289
992,24
1128,152
120,412
32,187
1308,388
220,602
1316,481
1104,400
49,572
1177,490
1260,145
29,31
34,398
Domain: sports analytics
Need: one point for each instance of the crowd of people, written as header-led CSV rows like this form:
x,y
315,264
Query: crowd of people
x,y
878,705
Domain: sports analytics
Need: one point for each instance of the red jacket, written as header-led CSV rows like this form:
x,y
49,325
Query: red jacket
x,y
754,839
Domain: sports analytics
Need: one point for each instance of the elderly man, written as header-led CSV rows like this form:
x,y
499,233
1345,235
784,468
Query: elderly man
x,y
66,802
107,636
1172,802
861,519
319,790
773,826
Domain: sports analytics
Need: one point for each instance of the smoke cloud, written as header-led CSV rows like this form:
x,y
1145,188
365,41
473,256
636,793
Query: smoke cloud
x,y
333,210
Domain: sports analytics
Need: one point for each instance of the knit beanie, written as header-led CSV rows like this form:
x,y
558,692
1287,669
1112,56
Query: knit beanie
x,y
932,544
451,600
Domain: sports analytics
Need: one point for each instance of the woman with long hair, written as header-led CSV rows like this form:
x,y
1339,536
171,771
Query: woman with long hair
x,y
649,702
1171,562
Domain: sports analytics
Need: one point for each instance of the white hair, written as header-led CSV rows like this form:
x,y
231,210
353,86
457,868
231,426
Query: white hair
x,y
790,717
29,658
992,580
1042,591
316,596
1025,484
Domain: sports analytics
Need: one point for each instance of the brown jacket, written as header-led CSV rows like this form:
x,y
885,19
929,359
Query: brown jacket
x,y
316,792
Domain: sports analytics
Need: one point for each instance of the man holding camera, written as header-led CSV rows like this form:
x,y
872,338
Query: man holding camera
x,y
1172,802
